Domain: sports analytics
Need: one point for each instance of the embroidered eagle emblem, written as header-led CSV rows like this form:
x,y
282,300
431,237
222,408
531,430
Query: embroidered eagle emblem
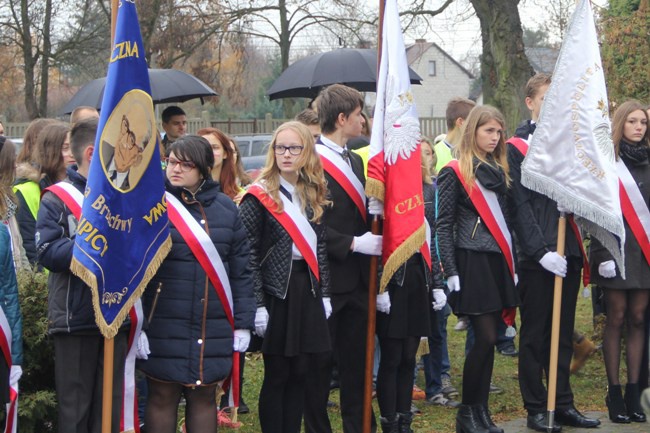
x,y
401,128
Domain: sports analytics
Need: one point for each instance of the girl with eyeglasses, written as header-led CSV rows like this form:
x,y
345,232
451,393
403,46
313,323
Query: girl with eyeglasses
x,y
282,214
190,337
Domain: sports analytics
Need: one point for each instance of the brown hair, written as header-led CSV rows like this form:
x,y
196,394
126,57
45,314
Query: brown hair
x,y
468,148
307,117
334,100
535,83
458,108
618,123
242,177
311,186
428,172
228,177
29,140
48,149
7,173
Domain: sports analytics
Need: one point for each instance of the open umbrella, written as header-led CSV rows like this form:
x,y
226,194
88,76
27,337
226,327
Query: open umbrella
x,y
167,85
353,67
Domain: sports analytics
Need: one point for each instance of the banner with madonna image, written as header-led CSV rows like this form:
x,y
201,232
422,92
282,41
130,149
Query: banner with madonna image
x,y
123,233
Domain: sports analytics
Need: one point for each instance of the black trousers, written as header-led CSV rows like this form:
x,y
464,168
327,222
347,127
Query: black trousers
x,y
348,326
79,370
536,292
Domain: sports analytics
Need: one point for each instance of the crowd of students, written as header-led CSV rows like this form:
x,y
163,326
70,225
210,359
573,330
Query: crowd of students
x,y
295,247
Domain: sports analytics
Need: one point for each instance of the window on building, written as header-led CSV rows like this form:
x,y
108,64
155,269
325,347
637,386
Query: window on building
x,y
432,68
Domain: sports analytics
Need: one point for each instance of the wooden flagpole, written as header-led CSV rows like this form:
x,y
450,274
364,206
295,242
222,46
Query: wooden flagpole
x,y
555,328
109,343
372,284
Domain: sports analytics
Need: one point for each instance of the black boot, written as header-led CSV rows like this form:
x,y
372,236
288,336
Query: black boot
x,y
389,424
633,403
404,423
468,420
484,414
616,405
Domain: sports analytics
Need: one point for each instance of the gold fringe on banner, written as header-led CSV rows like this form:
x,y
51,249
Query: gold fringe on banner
x,y
423,348
110,331
409,247
375,188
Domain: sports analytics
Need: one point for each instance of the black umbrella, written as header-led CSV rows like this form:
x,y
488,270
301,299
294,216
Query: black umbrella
x,y
167,85
353,67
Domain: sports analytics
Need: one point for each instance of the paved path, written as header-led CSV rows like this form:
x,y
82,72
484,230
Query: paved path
x,y
519,426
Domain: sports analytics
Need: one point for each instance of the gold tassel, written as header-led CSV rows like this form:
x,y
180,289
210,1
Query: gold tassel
x,y
423,348
404,252
375,188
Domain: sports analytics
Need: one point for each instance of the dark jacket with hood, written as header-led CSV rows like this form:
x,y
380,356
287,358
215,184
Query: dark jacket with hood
x,y
190,338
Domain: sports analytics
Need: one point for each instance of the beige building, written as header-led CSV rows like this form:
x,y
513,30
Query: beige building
x,y
443,78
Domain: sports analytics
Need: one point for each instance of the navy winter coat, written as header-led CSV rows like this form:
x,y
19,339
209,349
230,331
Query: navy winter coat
x,y
190,338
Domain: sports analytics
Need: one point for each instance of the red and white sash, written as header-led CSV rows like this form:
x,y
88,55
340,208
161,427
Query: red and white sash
x,y
487,206
635,209
342,173
522,146
73,199
294,222
6,338
204,250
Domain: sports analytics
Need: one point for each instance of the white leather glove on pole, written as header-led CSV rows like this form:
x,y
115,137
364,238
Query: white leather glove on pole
x,y
241,340
555,263
439,299
375,206
453,283
383,302
368,244
327,305
142,350
14,374
607,269
261,320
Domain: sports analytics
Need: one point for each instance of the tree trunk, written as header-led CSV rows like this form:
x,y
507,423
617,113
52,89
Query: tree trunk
x,y
29,61
45,61
285,48
504,65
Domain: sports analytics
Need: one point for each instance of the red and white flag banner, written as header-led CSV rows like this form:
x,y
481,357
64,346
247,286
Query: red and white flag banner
x,y
394,166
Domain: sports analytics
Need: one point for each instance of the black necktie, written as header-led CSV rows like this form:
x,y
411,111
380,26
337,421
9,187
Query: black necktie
x,y
346,156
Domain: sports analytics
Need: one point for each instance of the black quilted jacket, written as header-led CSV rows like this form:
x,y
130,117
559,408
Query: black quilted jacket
x,y
270,258
459,224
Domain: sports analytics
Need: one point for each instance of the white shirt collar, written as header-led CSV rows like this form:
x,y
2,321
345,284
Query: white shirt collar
x,y
333,146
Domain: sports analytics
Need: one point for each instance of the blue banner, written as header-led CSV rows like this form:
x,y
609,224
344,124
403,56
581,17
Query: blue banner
x,y
123,233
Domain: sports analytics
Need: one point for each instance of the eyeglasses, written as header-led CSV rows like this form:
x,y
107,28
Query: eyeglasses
x,y
185,165
294,150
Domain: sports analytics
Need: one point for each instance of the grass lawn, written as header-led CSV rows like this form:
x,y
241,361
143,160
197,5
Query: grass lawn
x,y
588,385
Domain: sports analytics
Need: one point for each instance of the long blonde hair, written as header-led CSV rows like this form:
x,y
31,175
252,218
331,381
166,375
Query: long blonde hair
x,y
468,148
428,171
311,186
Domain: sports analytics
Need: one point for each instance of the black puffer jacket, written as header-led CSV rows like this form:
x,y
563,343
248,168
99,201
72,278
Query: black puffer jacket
x,y
535,216
459,224
190,338
271,253
69,307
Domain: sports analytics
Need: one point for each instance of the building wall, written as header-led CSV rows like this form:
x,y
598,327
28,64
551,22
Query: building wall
x,y
449,82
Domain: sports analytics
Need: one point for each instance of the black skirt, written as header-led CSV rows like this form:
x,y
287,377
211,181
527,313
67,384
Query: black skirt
x,y
4,381
410,309
486,284
297,324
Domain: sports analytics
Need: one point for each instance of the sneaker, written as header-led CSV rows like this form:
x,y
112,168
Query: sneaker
x,y
448,390
441,400
509,351
243,408
462,324
418,394
415,410
495,389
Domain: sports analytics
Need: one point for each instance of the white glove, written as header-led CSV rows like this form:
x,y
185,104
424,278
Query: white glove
x,y
383,302
261,320
142,349
375,206
368,244
439,299
14,374
242,340
516,279
607,269
327,304
453,283
555,263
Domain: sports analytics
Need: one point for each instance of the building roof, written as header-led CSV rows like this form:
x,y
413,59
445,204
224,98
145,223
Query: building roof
x,y
416,50
542,59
